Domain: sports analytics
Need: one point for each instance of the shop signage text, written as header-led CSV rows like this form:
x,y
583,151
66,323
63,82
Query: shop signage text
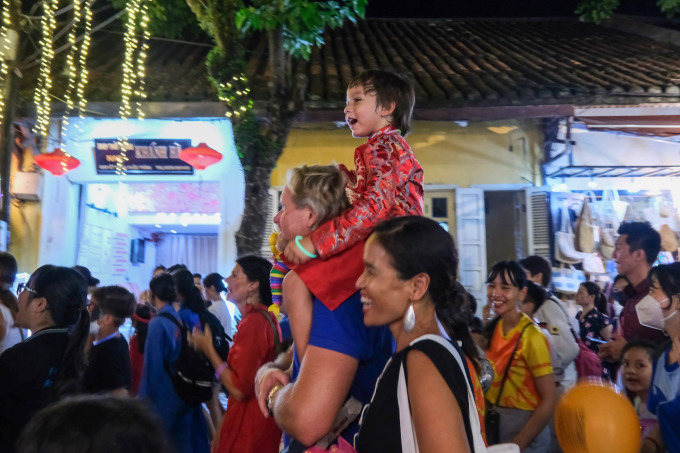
x,y
142,156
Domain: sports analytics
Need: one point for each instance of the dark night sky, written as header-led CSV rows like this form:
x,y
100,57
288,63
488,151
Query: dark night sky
x,y
494,8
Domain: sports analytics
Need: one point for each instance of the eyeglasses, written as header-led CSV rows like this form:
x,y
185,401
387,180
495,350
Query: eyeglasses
x,y
24,287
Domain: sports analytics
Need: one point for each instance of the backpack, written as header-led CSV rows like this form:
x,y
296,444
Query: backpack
x,y
192,375
221,340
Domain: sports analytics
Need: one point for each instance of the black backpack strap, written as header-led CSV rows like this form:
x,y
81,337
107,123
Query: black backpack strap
x,y
171,318
174,320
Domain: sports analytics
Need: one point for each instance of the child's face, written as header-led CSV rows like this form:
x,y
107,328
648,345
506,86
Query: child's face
x,y
636,370
363,115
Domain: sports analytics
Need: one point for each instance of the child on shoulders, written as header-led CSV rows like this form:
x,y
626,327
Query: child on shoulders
x,y
387,182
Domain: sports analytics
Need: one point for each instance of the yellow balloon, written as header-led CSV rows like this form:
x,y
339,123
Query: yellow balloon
x,y
593,417
274,309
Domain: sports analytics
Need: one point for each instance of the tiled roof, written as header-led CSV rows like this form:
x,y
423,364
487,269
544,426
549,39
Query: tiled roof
x,y
453,62
501,62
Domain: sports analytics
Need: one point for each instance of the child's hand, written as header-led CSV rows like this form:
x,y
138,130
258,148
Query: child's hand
x,y
296,256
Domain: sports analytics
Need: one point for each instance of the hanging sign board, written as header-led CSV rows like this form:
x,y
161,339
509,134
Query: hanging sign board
x,y
143,156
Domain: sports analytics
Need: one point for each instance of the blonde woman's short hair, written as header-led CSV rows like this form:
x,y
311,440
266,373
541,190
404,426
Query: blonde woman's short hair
x,y
319,187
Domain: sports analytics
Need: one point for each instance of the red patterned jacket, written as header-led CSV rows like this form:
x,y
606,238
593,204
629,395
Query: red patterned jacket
x,y
387,182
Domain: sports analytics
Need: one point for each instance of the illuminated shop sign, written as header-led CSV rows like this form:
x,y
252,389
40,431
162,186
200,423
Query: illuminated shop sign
x,y
142,156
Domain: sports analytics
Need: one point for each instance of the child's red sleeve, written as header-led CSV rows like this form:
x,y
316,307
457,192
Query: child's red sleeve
x,y
389,183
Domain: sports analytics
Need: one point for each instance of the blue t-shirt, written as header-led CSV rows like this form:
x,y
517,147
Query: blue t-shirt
x,y
664,401
343,330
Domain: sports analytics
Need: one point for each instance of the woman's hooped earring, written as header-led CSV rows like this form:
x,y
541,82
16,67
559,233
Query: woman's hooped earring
x,y
409,319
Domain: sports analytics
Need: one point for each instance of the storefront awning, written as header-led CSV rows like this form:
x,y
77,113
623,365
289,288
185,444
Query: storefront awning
x,y
654,126
646,120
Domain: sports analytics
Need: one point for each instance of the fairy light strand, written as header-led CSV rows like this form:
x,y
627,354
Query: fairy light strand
x,y
82,60
72,71
4,67
134,72
42,93
129,75
140,93
236,95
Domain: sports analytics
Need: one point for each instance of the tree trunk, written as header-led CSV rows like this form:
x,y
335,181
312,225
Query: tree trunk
x,y
249,238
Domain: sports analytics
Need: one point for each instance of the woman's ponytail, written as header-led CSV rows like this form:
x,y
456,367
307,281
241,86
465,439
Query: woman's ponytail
x,y
456,316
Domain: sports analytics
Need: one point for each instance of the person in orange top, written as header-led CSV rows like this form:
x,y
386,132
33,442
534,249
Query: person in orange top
x,y
527,399
478,393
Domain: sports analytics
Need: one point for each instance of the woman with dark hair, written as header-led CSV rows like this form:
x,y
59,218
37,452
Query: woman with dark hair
x,y
594,324
244,428
523,390
50,363
659,310
10,334
409,283
140,322
185,425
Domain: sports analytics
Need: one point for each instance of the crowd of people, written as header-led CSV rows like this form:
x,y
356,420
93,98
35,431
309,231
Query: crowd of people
x,y
387,354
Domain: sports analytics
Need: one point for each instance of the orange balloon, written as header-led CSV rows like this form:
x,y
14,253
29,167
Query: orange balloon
x,y
593,417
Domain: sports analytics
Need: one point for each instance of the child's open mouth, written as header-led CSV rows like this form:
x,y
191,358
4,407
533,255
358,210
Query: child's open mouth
x,y
351,121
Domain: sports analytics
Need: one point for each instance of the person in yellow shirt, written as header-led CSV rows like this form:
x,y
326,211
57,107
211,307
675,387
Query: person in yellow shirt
x,y
525,399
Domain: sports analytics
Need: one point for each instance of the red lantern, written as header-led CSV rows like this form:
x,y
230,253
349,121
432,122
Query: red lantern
x,y
57,162
200,157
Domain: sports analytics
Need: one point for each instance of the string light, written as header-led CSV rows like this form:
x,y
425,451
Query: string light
x,y
42,92
236,94
141,58
82,60
72,74
133,86
129,74
4,67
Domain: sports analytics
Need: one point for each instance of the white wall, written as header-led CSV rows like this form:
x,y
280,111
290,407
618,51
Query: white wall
x,y
59,222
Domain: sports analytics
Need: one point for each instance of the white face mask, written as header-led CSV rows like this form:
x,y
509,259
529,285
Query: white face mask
x,y
649,312
94,328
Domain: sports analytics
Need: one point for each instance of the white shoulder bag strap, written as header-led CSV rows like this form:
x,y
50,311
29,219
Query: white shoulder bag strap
x,y
409,442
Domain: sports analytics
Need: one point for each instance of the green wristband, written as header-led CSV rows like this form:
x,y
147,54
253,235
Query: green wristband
x,y
302,249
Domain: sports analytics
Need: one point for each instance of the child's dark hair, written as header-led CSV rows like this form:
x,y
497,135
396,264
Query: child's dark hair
x,y
536,294
140,322
95,424
163,287
216,281
115,301
257,269
593,289
536,264
642,235
390,88
420,245
65,291
650,348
